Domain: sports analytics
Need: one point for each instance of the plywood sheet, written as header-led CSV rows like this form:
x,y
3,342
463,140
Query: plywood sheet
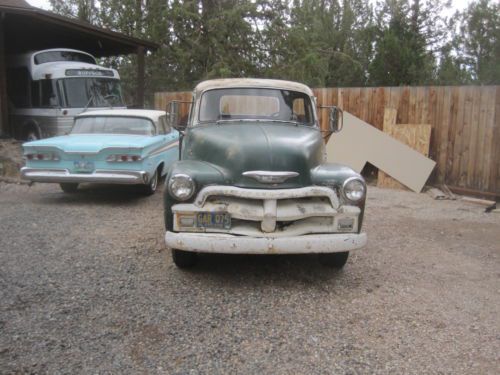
x,y
359,142
416,136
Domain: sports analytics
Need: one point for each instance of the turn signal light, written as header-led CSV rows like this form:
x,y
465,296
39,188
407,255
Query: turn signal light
x,y
123,158
46,156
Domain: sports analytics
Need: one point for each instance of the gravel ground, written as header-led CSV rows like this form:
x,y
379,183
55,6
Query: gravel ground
x,y
87,286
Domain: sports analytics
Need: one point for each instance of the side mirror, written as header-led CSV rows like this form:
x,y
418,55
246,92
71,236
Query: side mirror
x,y
173,116
335,119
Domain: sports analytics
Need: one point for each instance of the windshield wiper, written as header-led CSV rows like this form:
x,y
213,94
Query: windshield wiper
x,y
229,120
282,121
92,96
258,120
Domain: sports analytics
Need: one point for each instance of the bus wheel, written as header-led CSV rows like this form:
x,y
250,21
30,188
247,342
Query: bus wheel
x,y
31,134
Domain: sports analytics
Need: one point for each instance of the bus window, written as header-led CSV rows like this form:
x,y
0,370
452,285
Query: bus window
x,y
91,92
35,94
76,93
18,86
53,56
48,96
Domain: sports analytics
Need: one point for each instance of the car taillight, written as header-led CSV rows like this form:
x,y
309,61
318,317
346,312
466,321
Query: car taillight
x,y
123,158
45,156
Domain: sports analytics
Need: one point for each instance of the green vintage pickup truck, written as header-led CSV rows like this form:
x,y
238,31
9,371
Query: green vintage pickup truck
x,y
253,178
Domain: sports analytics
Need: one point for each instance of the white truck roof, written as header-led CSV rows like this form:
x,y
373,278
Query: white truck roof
x,y
252,82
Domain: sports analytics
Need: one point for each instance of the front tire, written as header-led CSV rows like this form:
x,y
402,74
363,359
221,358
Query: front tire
x,y
69,187
184,259
334,260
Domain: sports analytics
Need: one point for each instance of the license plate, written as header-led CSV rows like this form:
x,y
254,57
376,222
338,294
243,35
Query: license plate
x,y
219,220
83,166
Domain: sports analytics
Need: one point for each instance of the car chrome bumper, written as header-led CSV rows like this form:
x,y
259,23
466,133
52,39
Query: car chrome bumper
x,y
230,244
98,176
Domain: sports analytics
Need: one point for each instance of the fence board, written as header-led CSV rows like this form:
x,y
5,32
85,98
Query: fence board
x,y
490,143
495,169
465,121
495,165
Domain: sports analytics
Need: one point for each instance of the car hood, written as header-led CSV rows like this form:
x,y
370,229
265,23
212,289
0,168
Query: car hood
x,y
92,142
235,148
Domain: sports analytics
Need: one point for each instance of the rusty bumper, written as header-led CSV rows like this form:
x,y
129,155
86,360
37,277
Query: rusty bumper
x,y
230,244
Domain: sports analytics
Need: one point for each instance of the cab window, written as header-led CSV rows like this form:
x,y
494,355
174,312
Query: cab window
x,y
163,126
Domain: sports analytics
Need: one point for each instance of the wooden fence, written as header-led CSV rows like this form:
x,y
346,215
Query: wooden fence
x,y
465,120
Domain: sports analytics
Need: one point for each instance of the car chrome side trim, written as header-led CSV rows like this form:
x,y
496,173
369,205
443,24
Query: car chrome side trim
x,y
104,176
49,147
163,148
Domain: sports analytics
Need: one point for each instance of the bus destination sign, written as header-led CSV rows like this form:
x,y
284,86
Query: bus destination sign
x,y
89,73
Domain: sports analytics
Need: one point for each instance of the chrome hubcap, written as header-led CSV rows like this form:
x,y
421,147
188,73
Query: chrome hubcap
x,y
154,181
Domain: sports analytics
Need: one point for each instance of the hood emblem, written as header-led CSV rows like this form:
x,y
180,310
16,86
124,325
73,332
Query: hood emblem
x,y
270,177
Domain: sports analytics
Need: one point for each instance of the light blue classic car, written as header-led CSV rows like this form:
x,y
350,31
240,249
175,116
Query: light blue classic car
x,y
110,146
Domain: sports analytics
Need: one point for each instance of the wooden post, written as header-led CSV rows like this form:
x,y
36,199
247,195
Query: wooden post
x,y
140,77
4,119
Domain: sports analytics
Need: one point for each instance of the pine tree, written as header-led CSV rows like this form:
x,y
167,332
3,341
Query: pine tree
x,y
478,41
410,36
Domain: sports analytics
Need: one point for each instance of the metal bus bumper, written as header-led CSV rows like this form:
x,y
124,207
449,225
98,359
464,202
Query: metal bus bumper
x,y
231,244
98,176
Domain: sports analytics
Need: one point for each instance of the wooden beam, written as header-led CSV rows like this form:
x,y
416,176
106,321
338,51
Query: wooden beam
x,y
139,101
4,118
475,193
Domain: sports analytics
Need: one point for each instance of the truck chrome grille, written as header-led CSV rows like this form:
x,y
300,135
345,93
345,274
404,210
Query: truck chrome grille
x,y
288,212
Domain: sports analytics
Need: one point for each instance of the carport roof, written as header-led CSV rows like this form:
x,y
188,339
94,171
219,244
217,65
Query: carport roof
x,y
28,29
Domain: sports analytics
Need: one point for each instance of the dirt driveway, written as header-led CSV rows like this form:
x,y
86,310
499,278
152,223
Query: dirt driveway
x,y
87,286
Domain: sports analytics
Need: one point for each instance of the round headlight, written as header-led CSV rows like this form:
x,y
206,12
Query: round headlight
x,y
354,189
181,186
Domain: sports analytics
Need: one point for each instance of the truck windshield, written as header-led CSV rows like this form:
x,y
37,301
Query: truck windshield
x,y
256,104
91,92
113,125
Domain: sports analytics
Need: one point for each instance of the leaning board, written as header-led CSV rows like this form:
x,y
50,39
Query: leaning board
x,y
359,142
416,136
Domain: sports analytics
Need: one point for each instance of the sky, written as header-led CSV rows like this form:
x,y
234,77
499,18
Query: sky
x,y
455,4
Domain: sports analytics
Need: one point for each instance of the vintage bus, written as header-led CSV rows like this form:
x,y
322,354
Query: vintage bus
x,y
46,89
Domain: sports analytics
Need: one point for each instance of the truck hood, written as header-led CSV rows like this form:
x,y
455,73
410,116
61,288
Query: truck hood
x,y
240,147
92,142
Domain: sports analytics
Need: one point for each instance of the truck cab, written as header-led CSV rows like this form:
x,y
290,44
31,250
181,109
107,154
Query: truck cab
x,y
253,178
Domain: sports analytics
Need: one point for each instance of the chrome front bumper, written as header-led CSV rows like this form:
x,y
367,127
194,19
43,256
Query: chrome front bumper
x,y
231,244
98,176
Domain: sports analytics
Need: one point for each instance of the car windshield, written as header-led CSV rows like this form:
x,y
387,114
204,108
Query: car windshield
x,y
256,104
113,125
91,92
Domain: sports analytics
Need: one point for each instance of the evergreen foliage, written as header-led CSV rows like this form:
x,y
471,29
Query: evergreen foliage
x,y
318,42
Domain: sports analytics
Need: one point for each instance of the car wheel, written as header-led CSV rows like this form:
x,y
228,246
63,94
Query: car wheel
x,y
69,187
152,185
184,259
334,260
